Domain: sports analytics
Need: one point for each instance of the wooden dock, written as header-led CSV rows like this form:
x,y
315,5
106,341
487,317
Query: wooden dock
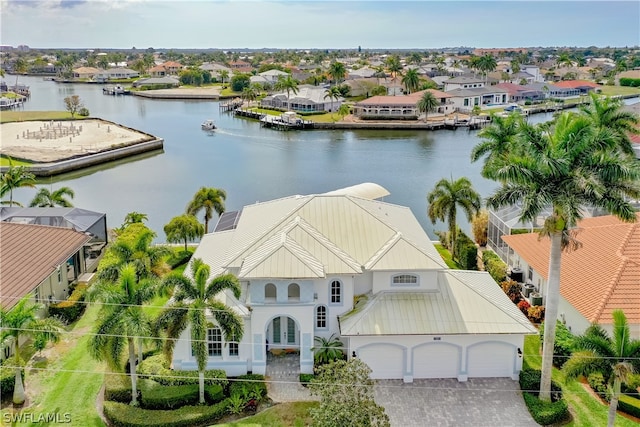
x,y
251,114
276,122
232,105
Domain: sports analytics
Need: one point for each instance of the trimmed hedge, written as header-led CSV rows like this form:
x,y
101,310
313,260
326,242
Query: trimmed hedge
x,y
466,252
156,368
117,388
629,405
305,379
8,376
213,393
544,413
599,385
157,396
122,415
68,311
628,81
494,266
250,386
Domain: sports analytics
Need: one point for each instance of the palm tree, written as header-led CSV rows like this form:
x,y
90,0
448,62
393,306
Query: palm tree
x,y
20,66
122,319
249,94
497,139
208,199
565,166
379,73
287,84
415,58
15,177
344,110
134,218
327,350
224,74
616,357
47,199
394,66
337,71
194,298
487,64
607,113
411,80
147,260
19,322
332,93
444,200
427,103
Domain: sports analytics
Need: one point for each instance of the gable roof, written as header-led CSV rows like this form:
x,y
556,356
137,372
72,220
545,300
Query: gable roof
x,y
601,276
464,302
31,253
576,84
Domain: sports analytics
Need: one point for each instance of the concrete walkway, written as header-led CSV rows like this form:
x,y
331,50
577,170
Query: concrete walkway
x,y
283,379
495,402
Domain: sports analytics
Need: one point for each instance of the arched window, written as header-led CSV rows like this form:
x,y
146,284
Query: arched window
x,y
321,317
270,291
214,341
336,292
404,279
293,292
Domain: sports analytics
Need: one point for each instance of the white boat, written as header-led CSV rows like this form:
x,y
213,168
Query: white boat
x,y
208,125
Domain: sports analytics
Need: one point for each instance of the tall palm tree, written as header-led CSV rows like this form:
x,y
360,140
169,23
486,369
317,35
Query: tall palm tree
x,y
415,58
487,64
394,66
15,177
427,103
287,84
332,93
444,200
135,218
337,71
209,200
122,320
194,298
411,80
607,113
47,199
497,139
20,66
616,357
249,94
565,166
22,321
224,74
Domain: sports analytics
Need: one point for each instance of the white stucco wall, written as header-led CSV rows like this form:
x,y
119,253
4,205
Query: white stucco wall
x,y
382,281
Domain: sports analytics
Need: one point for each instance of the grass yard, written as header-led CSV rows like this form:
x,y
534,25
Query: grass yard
x,y
21,116
620,90
71,382
294,414
446,256
4,161
586,409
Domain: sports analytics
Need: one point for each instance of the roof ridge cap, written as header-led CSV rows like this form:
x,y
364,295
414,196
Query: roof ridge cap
x,y
609,290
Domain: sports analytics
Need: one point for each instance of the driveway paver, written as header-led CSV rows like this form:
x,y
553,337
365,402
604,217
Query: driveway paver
x,y
494,402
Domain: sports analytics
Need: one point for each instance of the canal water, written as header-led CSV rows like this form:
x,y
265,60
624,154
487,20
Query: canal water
x,y
250,163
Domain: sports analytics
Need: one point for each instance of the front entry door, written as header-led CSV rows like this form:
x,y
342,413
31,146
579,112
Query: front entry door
x,y
284,332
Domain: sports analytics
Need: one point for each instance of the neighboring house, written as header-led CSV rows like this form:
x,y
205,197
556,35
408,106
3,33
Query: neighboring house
x,y
116,73
599,277
401,107
86,72
533,70
484,97
345,263
240,67
157,71
361,73
157,81
172,67
272,76
309,98
463,82
215,70
359,87
518,93
582,86
552,90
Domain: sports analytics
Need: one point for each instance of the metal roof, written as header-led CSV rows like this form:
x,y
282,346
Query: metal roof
x,y
76,218
366,190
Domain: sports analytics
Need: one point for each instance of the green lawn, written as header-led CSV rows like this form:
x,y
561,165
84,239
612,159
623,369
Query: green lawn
x,y
620,90
586,409
71,382
20,116
294,414
4,161
446,256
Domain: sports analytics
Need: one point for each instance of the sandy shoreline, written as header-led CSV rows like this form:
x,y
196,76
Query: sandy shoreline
x,y
50,141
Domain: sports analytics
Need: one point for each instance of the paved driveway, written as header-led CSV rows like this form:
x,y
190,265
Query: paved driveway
x,y
491,402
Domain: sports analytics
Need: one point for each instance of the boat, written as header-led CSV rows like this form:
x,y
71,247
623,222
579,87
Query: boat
x,y
208,125
115,90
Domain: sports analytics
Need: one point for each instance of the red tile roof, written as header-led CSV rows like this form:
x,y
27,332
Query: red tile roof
x,y
31,253
572,84
602,275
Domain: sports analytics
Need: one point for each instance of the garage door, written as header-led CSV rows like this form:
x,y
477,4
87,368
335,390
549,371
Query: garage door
x,y
385,361
490,360
436,361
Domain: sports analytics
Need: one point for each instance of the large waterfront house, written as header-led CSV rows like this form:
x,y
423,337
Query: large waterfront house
x,y
599,277
347,264
401,107
521,93
309,98
86,72
463,82
484,97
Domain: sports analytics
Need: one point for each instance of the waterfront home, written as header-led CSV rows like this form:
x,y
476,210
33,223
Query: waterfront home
x,y
346,264
157,71
216,69
272,76
582,86
463,82
157,82
485,97
520,93
172,67
86,72
116,74
401,107
309,98
552,90
599,277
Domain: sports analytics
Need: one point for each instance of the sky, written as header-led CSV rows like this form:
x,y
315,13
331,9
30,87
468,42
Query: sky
x,y
301,24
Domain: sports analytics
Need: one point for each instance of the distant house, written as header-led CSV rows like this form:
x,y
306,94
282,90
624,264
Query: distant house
x,y
401,107
359,87
240,67
158,71
86,72
157,81
361,73
309,98
583,86
272,76
172,67
116,73
553,90
601,276
483,97
518,93
216,69
463,82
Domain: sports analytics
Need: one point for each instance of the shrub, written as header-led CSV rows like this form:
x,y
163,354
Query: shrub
x,y
628,81
546,413
250,386
536,313
305,379
213,393
466,252
117,388
479,226
122,415
629,405
599,385
157,368
494,266
524,306
68,311
179,258
513,290
563,345
236,404
157,396
8,376
632,384
84,112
